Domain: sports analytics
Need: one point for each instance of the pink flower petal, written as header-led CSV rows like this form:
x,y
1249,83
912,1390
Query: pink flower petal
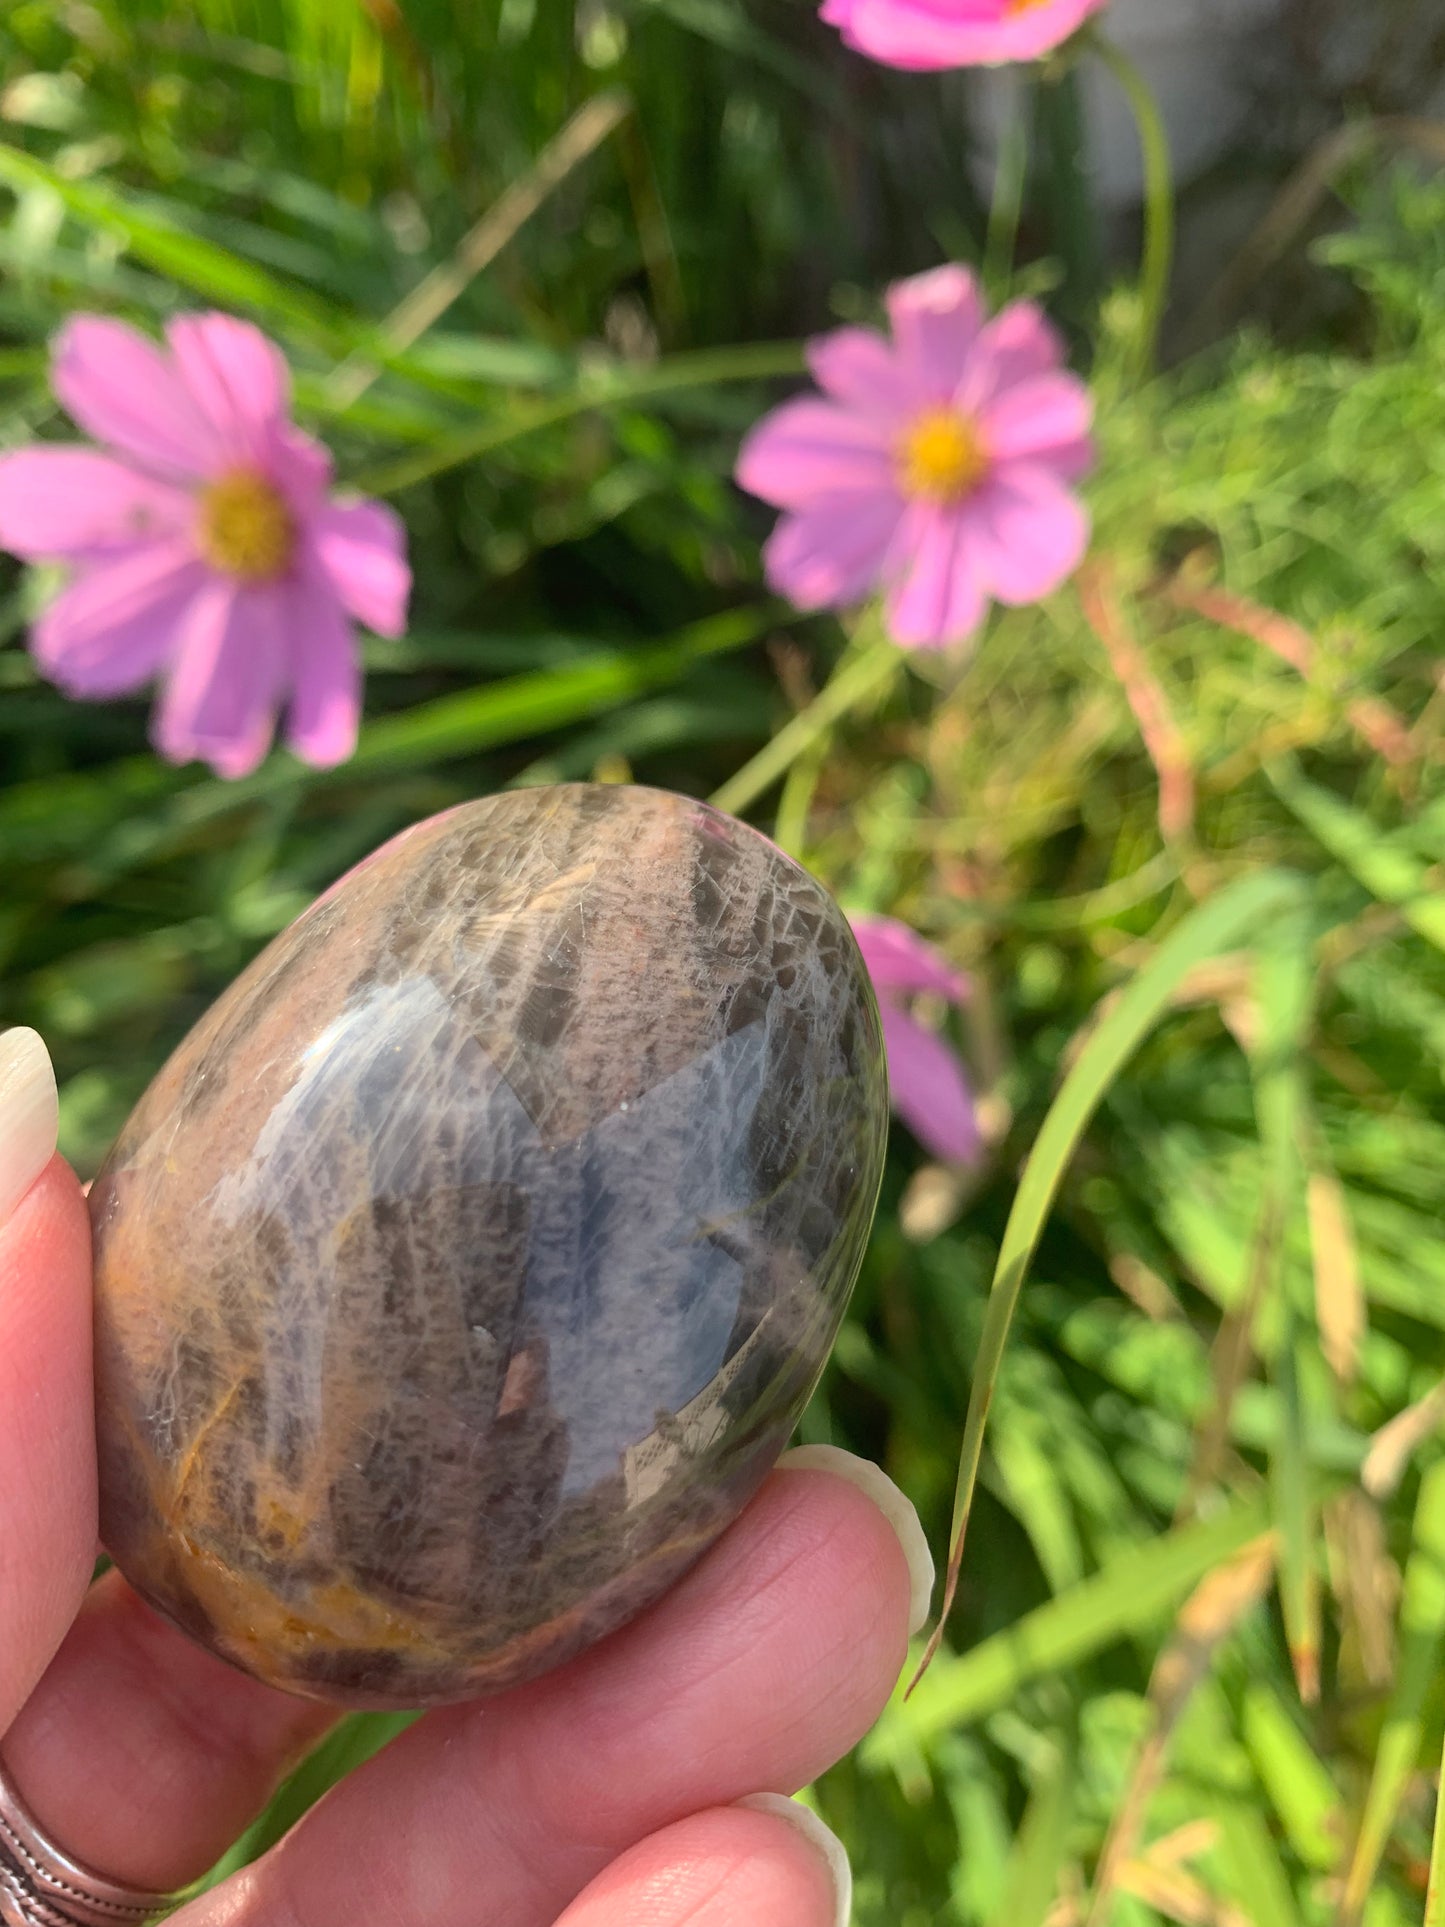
x,y
859,369
326,677
836,463
361,547
75,503
929,1089
1019,344
809,448
922,34
237,379
1037,30
145,599
1069,461
939,598
1031,533
897,34
220,701
898,959
1048,418
117,625
936,319
125,392
833,551
300,467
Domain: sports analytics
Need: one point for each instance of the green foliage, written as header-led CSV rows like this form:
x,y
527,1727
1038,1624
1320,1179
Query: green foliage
x,y
1182,1372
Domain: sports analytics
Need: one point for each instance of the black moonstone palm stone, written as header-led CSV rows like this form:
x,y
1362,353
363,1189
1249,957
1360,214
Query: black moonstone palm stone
x,y
466,1268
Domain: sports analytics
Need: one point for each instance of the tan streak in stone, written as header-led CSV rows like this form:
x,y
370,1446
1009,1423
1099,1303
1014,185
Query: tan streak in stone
x,y
182,1477
261,1626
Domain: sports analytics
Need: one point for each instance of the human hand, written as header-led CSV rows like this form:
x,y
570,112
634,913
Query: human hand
x,y
603,1795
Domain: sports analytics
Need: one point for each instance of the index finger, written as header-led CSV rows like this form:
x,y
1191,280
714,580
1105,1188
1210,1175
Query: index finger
x,y
47,1435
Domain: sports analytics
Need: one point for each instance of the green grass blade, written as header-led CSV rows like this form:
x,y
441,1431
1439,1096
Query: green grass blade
x,y
1219,925
532,705
1041,1845
1435,1894
1296,1780
51,818
1157,264
863,678
414,316
506,711
173,251
1133,1592
1382,866
1251,1861
1422,1627
756,361
1297,1517
1283,984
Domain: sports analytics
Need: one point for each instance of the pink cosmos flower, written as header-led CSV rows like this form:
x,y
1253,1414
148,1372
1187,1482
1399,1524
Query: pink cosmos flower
x,y
956,33
937,468
203,545
928,1084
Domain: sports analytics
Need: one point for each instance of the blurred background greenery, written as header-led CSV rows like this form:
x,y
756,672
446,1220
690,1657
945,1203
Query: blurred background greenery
x,y
1195,1670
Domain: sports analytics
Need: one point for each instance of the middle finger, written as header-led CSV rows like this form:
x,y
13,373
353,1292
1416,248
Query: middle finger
x,y
758,1671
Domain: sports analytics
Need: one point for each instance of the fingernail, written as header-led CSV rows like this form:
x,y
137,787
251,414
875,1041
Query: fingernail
x,y
813,1830
897,1508
29,1115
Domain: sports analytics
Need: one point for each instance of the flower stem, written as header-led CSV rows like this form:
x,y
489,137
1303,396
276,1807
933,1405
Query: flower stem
x,y
1157,263
1435,1894
1073,215
856,679
1006,206
790,824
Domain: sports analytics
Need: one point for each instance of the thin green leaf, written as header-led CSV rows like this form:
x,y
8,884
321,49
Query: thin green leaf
x,y
1304,1797
1283,987
1422,1629
1041,1845
200,265
1216,926
1383,866
858,680
497,713
1435,1894
619,388
75,816
1132,1593
1208,1617
1252,1865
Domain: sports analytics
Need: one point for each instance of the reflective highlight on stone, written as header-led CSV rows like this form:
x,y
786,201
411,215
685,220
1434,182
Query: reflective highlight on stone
x,y
465,1269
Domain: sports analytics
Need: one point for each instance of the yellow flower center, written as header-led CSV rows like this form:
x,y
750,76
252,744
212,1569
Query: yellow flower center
x,y
246,526
1011,7
942,457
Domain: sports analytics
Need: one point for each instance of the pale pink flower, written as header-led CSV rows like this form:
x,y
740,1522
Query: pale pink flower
x,y
928,1083
956,33
203,544
937,468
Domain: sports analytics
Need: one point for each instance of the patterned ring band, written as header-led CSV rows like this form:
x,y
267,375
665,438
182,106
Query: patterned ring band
x,y
43,1886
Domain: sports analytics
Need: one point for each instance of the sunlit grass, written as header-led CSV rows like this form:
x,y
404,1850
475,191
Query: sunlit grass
x,y
1193,1672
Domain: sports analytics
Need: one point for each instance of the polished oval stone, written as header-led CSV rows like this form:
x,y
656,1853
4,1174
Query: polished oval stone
x,y
465,1269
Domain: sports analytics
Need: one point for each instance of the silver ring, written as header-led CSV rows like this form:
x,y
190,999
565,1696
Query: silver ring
x,y
41,1885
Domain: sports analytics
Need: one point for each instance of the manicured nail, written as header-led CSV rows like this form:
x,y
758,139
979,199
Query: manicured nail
x,y
29,1115
897,1508
813,1831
